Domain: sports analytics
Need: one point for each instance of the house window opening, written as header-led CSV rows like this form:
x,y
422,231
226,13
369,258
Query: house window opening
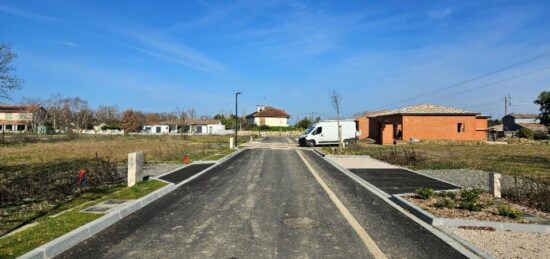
x,y
460,127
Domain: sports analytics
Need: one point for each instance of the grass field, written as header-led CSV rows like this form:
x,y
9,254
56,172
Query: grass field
x,y
511,159
49,169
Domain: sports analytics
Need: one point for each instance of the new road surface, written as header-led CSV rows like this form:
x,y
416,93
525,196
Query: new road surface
x,y
267,203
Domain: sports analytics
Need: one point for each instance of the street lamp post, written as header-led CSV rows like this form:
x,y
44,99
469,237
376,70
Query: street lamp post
x,y
236,118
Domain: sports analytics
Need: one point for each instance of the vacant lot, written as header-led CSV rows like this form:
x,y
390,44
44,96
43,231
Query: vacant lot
x,y
511,159
37,178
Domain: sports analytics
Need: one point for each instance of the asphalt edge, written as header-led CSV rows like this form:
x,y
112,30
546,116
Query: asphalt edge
x,y
386,197
74,237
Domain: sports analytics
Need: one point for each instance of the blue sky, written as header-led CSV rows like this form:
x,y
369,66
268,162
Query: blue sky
x,y
159,55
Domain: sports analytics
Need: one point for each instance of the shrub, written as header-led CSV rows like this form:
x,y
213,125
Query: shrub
x,y
470,199
451,195
506,211
402,156
445,203
424,193
525,133
540,135
111,127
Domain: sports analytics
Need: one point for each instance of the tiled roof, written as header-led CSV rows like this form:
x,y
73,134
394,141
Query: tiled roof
x,y
533,126
426,109
20,108
524,115
270,112
372,114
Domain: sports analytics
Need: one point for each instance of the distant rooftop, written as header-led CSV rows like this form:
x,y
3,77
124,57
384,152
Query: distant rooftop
x,y
270,112
524,115
425,109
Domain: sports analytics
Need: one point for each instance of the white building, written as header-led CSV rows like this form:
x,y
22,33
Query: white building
x,y
206,127
156,129
268,116
15,118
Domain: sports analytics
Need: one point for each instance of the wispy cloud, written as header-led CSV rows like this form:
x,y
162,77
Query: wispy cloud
x,y
27,14
66,43
157,45
441,13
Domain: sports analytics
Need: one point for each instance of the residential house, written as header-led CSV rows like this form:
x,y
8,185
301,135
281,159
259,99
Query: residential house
x,y
426,122
156,129
22,118
206,127
362,122
268,116
190,126
516,121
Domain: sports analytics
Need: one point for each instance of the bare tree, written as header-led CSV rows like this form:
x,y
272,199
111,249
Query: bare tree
x,y
107,114
336,100
8,81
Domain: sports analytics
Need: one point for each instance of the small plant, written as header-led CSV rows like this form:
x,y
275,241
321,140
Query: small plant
x,y
425,193
507,211
470,199
526,133
451,195
446,203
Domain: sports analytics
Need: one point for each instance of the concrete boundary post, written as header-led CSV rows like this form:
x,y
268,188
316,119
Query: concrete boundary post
x,y
231,143
135,168
494,184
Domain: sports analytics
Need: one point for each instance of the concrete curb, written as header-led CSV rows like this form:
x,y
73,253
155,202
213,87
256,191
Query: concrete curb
x,y
460,245
68,240
449,222
465,243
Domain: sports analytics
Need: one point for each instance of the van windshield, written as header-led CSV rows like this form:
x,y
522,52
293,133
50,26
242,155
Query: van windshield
x,y
310,129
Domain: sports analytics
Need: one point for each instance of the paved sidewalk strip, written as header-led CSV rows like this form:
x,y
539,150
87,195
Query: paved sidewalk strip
x,y
398,181
186,172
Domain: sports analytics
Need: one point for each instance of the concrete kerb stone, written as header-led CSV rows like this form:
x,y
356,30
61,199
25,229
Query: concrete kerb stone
x,y
66,241
34,254
465,243
82,233
449,222
450,240
104,222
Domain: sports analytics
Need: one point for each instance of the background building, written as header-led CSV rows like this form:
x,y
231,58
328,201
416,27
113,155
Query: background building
x,y
14,118
268,116
425,122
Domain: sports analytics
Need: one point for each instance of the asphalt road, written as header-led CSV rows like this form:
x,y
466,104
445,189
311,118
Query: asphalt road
x,y
264,204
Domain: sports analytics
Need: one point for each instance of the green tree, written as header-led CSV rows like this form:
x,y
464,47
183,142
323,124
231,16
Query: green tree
x,y
304,123
8,81
544,102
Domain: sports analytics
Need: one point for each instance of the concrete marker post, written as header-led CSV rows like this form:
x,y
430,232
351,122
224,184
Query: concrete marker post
x,y
494,184
135,168
231,143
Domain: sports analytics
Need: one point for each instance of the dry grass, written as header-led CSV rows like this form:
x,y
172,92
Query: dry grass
x,y
511,159
155,148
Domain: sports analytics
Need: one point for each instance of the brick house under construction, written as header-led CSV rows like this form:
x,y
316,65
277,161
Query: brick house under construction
x,y
422,122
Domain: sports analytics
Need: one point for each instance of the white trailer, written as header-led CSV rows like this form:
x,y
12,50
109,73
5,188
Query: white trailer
x,y
326,133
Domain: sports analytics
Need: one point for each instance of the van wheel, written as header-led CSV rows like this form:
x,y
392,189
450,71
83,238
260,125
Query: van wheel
x,y
310,143
348,142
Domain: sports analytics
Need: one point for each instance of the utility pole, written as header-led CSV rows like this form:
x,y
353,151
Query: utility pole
x,y
507,103
236,118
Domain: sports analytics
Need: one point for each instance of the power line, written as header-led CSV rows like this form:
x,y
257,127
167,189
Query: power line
x,y
490,84
535,58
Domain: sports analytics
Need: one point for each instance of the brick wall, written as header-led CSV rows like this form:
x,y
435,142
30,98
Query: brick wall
x,y
444,127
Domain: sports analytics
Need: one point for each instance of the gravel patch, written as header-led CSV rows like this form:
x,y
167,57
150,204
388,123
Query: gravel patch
x,y
506,244
158,169
358,162
462,177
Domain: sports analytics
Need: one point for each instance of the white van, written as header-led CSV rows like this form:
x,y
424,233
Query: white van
x,y
326,133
